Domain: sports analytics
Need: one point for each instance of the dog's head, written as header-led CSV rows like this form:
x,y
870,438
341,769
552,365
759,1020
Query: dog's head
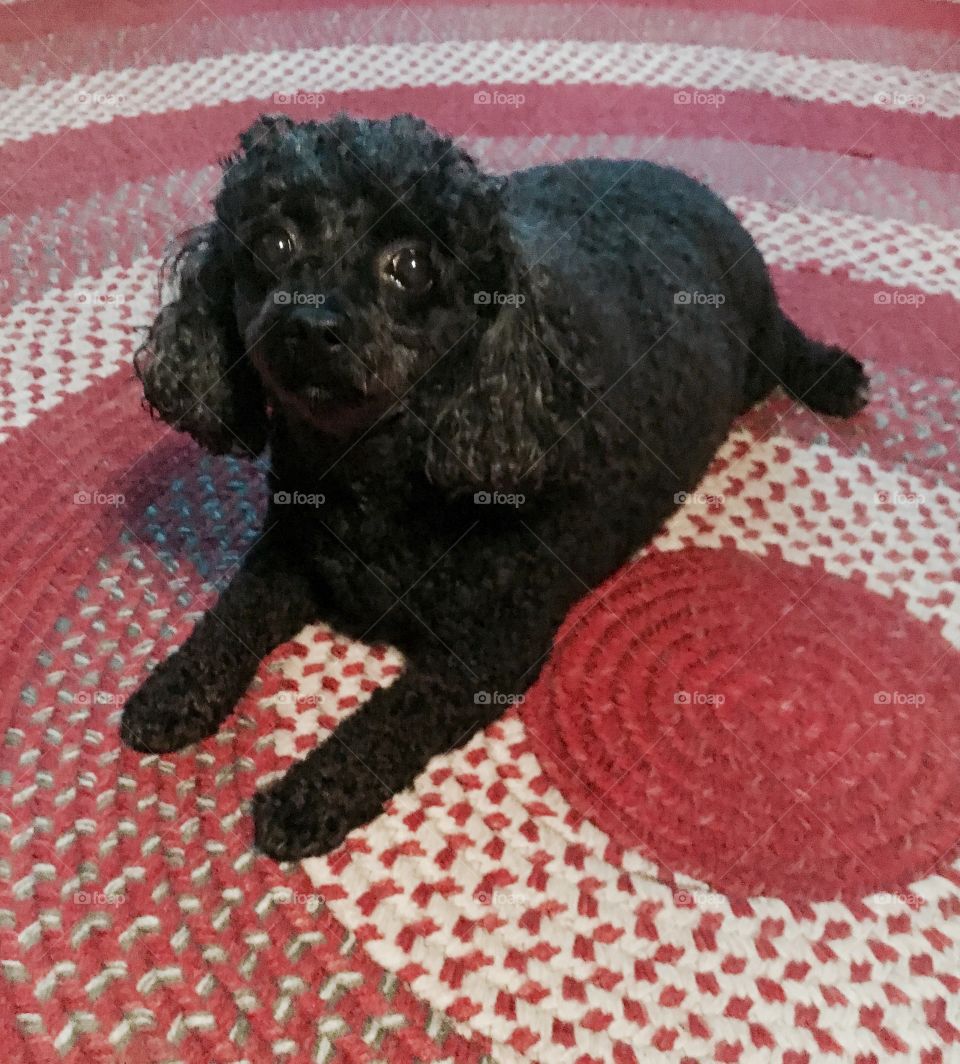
x,y
355,271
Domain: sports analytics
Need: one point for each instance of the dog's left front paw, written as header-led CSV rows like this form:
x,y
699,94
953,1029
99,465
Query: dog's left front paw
x,y
293,820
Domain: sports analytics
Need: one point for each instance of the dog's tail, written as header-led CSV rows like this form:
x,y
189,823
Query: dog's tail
x,y
825,378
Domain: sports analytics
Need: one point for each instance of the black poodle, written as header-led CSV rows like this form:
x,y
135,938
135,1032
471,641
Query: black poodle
x,y
481,395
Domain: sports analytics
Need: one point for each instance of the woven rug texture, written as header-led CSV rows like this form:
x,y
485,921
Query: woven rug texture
x,y
724,825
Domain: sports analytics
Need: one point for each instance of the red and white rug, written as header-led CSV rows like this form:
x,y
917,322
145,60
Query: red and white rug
x,y
725,823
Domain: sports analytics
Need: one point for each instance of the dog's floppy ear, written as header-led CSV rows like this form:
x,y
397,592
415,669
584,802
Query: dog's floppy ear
x,y
192,365
512,418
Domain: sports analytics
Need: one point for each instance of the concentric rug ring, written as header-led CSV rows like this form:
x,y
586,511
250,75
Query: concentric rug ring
x,y
709,707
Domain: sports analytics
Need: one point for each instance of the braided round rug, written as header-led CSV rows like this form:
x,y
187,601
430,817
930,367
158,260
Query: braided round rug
x,y
724,825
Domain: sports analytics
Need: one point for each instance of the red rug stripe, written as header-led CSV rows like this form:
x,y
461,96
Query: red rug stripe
x,y
73,163
25,21
835,308
91,49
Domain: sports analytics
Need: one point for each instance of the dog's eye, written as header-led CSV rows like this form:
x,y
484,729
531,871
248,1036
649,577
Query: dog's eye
x,y
407,267
273,248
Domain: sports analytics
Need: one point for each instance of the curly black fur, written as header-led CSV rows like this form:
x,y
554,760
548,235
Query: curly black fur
x,y
496,416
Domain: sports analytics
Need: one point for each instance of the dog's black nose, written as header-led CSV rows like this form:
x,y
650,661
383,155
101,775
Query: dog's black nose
x,y
316,326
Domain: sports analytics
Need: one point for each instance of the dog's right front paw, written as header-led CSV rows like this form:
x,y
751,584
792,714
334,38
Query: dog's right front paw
x,y
168,713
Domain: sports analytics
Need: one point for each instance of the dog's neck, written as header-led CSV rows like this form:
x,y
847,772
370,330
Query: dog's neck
x,y
308,457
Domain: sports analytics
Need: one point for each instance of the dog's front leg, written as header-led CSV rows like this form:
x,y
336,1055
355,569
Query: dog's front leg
x,y
378,751
188,696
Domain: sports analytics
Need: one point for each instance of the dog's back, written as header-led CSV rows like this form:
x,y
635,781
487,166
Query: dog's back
x,y
676,293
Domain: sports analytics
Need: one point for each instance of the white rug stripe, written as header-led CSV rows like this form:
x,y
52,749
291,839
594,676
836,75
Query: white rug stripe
x,y
676,927
70,338
82,100
887,251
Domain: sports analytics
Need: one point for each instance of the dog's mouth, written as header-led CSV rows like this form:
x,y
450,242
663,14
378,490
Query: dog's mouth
x,y
343,412
337,415
343,416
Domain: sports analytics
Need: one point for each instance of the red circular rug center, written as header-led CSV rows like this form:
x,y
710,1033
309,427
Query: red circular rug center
x,y
764,727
